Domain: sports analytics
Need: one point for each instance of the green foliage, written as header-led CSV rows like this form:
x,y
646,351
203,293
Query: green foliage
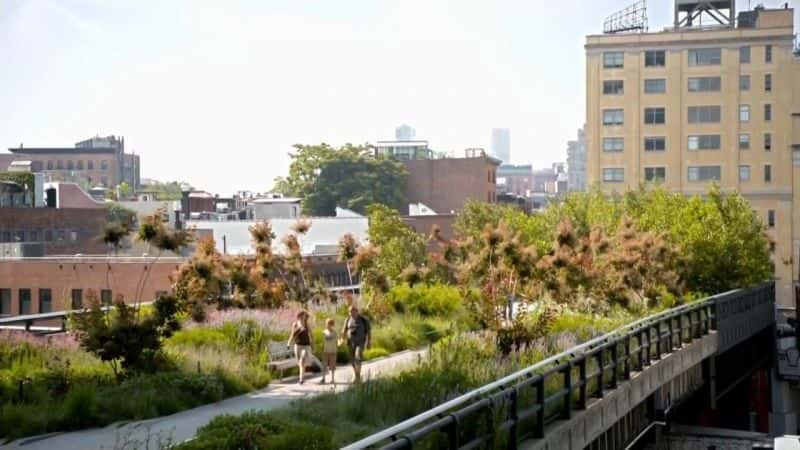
x,y
350,177
375,352
425,299
170,190
124,339
258,430
399,245
119,214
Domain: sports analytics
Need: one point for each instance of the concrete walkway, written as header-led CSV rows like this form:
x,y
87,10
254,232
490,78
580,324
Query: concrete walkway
x,y
159,432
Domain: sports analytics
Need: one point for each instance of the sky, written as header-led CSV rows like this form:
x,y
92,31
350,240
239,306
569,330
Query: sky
x,y
216,93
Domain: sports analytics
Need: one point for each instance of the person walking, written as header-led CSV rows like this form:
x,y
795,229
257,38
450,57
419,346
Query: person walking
x,y
330,347
358,333
301,338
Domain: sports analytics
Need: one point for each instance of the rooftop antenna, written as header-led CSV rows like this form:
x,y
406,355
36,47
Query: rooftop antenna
x,y
691,12
633,18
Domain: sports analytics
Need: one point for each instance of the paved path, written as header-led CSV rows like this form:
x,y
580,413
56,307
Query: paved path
x,y
152,433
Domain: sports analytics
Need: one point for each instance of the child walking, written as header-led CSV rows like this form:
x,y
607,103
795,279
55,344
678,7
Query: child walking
x,y
330,345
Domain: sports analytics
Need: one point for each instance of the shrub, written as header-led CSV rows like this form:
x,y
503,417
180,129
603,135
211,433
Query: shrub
x,y
425,299
375,352
259,430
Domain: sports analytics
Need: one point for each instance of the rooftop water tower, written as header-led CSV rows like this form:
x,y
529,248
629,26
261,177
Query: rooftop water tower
x,y
691,13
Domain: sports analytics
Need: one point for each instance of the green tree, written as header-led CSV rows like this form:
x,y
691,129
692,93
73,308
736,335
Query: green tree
x,y
351,177
124,190
399,245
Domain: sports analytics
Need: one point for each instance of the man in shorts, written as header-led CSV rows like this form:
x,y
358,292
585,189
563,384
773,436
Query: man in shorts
x,y
358,333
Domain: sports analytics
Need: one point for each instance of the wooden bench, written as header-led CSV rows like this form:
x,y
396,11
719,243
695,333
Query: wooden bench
x,y
281,357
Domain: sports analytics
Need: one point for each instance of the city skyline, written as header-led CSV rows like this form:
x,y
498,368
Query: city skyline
x,y
248,81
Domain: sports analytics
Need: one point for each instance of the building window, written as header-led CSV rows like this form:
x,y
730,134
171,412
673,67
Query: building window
x,y
704,173
104,181
613,60
19,236
612,87
77,298
70,165
744,82
5,302
771,218
768,82
767,112
614,175
705,57
655,144
704,114
24,301
744,113
80,164
90,165
768,54
48,235
744,141
103,164
767,173
767,142
772,247
705,84
744,55
5,236
105,297
705,142
654,116
655,86
49,164
652,174
73,236
34,236
744,173
59,165
613,117
655,58
613,144
45,301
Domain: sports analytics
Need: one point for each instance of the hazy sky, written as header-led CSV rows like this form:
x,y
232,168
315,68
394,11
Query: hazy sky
x,y
216,92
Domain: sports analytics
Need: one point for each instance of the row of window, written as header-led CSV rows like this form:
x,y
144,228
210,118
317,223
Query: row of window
x,y
694,84
38,235
73,164
694,173
25,300
694,142
695,114
697,57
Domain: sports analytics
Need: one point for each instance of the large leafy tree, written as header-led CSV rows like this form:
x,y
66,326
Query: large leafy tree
x,y
350,177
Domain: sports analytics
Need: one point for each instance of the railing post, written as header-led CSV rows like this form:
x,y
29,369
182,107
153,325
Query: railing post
x,y
583,382
600,370
657,355
566,413
626,368
513,432
644,348
671,331
538,430
452,433
614,364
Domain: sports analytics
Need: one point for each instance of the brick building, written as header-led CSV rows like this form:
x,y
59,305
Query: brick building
x,y
446,184
99,161
61,231
38,285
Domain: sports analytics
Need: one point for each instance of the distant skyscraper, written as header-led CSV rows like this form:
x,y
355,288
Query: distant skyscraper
x,y
405,133
576,163
501,144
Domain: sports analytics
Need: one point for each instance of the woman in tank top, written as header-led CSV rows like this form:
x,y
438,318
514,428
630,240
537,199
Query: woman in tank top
x,y
301,337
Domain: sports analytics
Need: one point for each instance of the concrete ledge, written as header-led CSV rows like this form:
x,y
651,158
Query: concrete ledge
x,y
675,373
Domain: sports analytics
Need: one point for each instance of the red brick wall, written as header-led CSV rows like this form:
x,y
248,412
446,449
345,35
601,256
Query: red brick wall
x,y
62,275
445,185
86,223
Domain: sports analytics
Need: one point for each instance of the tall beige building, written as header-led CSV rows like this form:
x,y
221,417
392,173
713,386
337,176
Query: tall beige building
x,y
695,104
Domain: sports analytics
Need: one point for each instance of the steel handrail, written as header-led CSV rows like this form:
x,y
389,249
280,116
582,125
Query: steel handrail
x,y
479,393
54,315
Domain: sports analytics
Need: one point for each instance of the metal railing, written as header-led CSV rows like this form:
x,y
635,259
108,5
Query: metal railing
x,y
27,320
521,405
